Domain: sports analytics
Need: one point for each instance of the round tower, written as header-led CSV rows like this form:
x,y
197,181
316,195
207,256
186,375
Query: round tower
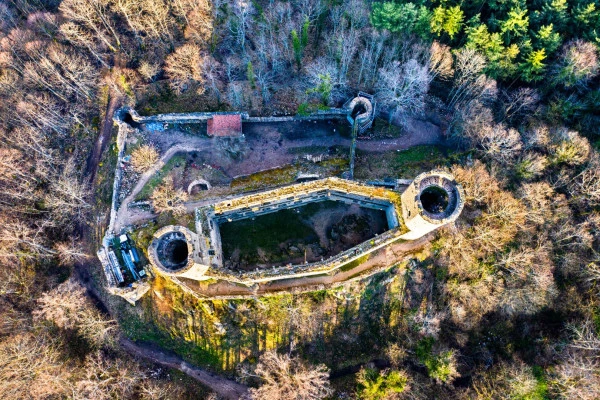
x,y
433,199
173,252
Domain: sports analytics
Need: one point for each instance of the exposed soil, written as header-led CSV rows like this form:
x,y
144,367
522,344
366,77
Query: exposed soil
x,y
225,388
306,234
103,137
269,145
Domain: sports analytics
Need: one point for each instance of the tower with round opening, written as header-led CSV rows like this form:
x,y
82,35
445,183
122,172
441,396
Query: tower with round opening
x,y
433,199
173,252
360,110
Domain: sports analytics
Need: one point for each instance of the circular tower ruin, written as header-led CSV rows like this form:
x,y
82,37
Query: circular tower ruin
x,y
433,199
173,251
361,112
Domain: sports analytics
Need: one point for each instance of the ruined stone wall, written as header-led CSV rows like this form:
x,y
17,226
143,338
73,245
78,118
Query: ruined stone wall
x,y
301,189
331,113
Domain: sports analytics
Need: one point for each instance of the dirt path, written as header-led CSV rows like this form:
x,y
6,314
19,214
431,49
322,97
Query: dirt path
x,y
268,145
223,387
114,103
383,258
124,215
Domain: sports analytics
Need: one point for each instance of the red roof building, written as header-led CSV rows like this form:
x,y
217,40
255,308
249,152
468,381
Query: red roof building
x,y
225,125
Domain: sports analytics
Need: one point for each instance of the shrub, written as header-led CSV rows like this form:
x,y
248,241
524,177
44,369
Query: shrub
x,y
375,385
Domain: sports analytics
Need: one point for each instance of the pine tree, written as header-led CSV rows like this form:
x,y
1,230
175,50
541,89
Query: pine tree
x,y
297,46
556,13
250,75
304,35
402,18
515,25
533,67
447,20
454,21
548,39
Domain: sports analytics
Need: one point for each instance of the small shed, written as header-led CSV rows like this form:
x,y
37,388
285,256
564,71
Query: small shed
x,y
229,125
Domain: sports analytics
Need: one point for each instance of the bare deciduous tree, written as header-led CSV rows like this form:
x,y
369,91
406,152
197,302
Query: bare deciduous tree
x,y
469,81
67,197
403,87
68,307
440,61
519,103
166,198
184,66
144,157
287,378
569,147
95,16
586,184
32,367
577,65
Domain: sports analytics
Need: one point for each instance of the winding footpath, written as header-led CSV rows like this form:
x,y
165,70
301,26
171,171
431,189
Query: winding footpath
x,y
388,256
257,159
124,215
225,388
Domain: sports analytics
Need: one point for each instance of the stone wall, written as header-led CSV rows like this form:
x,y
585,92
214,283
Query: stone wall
x,y
180,117
418,220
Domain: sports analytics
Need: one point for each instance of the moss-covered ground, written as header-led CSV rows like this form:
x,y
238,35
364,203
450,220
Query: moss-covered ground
x,y
402,164
365,315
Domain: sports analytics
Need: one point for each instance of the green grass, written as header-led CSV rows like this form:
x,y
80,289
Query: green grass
x,y
145,331
271,177
157,178
105,175
307,150
266,232
406,164
355,263
143,236
541,388
383,128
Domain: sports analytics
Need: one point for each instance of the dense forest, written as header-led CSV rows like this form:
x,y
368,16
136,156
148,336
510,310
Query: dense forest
x,y
513,308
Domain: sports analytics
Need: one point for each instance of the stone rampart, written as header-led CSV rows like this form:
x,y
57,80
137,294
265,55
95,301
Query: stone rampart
x,y
180,117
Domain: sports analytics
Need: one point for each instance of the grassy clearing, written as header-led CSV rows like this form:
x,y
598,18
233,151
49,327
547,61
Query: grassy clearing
x,y
266,234
383,129
336,165
175,165
263,179
406,164
308,150
355,263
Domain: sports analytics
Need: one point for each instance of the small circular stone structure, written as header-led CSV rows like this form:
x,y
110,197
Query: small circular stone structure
x,y
432,199
171,252
360,109
200,184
